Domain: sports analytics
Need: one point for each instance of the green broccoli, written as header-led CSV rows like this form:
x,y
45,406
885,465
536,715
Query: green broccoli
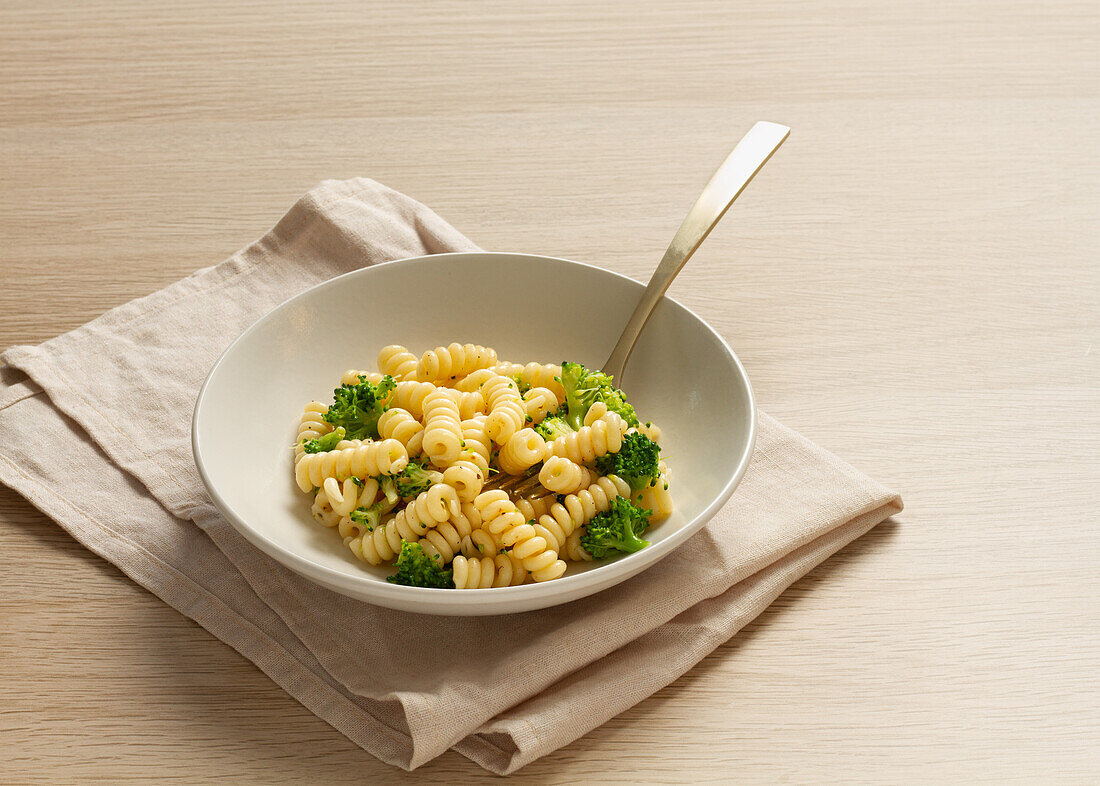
x,y
522,384
417,569
416,478
327,442
367,518
371,517
636,461
552,427
358,407
583,388
389,490
619,529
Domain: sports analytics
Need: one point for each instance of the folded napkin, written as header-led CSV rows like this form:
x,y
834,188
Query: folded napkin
x,y
94,431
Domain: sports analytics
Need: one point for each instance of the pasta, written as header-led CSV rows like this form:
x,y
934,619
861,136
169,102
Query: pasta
x,y
396,361
525,449
506,412
476,473
536,375
442,427
538,403
353,376
577,509
365,460
466,478
456,360
501,518
409,395
399,424
602,437
310,426
503,570
476,445
562,476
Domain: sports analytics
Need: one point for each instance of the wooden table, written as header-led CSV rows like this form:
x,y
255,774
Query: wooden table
x,y
912,282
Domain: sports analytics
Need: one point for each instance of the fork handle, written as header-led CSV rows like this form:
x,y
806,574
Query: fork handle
x,y
736,172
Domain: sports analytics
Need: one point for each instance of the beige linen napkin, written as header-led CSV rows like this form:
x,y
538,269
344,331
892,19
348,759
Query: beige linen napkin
x,y
94,430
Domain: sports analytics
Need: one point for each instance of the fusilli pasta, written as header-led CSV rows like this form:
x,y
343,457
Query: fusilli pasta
x,y
452,361
577,509
387,457
525,449
398,362
506,486
603,436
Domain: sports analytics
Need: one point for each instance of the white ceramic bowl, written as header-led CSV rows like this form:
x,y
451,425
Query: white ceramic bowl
x,y
682,375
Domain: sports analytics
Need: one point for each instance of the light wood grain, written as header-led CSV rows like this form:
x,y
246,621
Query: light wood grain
x,y
913,282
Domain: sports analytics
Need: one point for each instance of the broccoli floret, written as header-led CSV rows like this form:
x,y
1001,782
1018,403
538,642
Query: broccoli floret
x,y
371,517
327,442
583,388
417,569
367,518
552,427
605,464
416,478
636,462
619,529
357,407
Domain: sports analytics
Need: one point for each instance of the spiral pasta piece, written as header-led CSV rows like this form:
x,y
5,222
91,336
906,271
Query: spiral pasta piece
x,y
350,495
444,541
466,478
503,570
452,361
470,404
398,362
399,424
502,519
472,514
476,445
524,450
585,446
322,510
311,426
427,511
387,457
506,413
475,380
537,375
442,428
533,507
578,509
376,546
409,396
538,403
480,543
562,476
594,413
351,529
439,503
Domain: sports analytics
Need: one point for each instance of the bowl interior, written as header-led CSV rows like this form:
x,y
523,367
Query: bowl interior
x,y
681,375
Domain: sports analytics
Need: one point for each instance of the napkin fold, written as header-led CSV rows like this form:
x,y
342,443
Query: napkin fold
x,y
95,432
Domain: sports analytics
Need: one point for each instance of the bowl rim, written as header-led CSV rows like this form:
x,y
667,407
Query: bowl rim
x,y
601,577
